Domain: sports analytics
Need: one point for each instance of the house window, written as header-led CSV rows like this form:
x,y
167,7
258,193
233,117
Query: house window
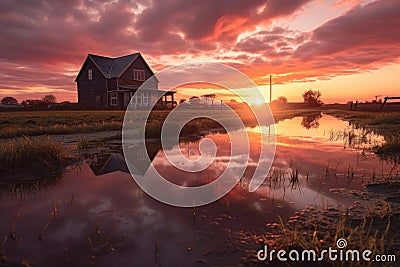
x,y
140,155
145,98
113,99
90,74
138,75
139,98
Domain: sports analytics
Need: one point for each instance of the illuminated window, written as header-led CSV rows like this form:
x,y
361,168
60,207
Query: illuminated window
x,y
90,74
138,75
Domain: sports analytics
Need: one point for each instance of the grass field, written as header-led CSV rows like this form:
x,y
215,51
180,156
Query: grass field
x,y
33,123
36,123
381,122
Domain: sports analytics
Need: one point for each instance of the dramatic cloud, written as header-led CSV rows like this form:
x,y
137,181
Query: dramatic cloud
x,y
364,38
44,42
201,20
370,28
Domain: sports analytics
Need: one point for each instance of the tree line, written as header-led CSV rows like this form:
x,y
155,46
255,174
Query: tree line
x,y
310,97
46,100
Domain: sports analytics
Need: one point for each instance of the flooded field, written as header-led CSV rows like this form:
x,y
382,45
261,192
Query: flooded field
x,y
96,214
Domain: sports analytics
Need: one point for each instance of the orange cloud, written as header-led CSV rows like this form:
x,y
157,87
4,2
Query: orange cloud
x,y
44,42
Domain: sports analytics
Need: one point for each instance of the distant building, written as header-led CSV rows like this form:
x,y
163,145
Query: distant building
x,y
195,100
32,102
10,105
104,82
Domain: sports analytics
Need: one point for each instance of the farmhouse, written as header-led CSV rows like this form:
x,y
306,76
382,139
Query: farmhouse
x,y
107,83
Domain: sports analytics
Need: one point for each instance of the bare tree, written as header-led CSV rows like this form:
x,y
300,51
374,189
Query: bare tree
x,y
49,99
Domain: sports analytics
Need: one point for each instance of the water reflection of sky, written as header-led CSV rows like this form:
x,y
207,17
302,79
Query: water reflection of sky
x,y
108,220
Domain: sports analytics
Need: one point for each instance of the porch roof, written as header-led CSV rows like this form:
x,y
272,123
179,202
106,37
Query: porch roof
x,y
153,90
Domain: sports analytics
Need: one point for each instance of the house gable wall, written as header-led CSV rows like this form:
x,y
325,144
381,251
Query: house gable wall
x,y
127,77
92,93
112,84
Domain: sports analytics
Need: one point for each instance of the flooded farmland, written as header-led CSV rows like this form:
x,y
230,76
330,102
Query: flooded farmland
x,y
96,214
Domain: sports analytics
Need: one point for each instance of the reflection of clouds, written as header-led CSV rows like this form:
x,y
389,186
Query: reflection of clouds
x,y
110,202
297,198
104,205
71,229
219,164
149,216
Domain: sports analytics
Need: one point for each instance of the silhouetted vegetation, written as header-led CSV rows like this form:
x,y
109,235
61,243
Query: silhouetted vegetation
x,y
311,120
49,99
312,98
8,100
33,155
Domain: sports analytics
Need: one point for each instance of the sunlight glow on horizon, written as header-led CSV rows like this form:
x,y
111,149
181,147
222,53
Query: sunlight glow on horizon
x,y
347,49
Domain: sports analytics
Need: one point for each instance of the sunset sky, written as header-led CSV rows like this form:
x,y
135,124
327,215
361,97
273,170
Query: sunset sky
x,y
347,49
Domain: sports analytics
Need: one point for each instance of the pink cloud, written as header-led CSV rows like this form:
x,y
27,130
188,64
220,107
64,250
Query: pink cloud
x,y
375,25
44,42
364,38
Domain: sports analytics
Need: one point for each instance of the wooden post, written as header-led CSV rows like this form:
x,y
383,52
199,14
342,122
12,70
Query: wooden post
x,y
270,88
384,102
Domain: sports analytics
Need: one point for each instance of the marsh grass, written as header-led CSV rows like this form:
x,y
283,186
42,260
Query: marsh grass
x,y
386,124
383,123
31,162
294,180
375,230
384,118
390,147
29,153
83,143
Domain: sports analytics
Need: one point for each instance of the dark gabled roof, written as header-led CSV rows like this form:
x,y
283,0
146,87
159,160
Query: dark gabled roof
x,y
113,67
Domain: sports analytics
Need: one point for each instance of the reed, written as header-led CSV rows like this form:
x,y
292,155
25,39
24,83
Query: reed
x,y
32,155
294,173
375,230
391,148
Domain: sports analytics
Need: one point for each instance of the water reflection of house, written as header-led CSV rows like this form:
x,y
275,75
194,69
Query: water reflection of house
x,y
136,156
109,163
104,82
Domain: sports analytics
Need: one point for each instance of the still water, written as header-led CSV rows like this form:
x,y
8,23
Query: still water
x,y
97,216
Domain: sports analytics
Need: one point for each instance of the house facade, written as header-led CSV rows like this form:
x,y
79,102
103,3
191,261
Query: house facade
x,y
110,83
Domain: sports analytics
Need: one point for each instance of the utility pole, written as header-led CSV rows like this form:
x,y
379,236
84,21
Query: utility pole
x,y
270,88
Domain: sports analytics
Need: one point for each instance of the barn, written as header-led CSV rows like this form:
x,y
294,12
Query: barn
x,y
110,83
